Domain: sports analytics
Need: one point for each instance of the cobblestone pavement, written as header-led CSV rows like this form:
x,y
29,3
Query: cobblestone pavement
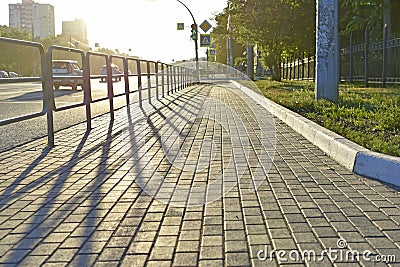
x,y
111,196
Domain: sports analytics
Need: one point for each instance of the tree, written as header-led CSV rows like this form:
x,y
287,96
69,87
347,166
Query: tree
x,y
356,15
16,57
220,35
277,27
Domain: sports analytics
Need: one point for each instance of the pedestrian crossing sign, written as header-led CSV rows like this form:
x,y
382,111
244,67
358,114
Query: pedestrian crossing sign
x,y
205,40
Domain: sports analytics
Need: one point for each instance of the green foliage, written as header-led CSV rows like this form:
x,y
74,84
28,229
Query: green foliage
x,y
220,35
356,15
281,28
14,33
367,116
277,27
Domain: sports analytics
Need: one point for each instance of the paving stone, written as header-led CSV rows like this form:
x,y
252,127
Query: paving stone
x,y
211,253
190,235
33,261
134,260
212,241
111,254
237,259
210,263
185,259
44,249
140,248
188,246
161,253
63,255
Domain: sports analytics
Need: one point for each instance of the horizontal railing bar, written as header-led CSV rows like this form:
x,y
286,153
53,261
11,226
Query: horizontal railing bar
x,y
69,107
22,118
20,80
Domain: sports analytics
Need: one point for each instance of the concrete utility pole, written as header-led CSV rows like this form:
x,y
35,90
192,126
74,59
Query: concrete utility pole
x,y
250,61
387,15
230,39
327,61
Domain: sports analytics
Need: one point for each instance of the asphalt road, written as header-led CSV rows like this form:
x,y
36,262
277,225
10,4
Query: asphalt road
x,y
19,99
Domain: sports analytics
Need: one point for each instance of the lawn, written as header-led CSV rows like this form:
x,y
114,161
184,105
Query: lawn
x,y
369,117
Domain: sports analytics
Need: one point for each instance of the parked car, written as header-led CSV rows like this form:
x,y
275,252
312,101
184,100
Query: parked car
x,y
67,68
12,74
115,71
3,74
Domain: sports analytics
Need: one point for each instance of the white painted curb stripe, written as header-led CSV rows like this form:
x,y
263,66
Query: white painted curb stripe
x,y
354,157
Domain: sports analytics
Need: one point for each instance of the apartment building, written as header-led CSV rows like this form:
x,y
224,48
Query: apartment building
x,y
38,19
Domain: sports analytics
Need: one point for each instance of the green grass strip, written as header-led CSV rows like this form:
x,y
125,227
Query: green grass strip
x,y
369,117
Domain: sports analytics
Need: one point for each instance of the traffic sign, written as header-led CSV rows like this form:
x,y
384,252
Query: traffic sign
x,y
205,26
212,52
205,40
180,26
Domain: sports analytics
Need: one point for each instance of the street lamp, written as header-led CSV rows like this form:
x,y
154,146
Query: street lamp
x,y
33,29
194,27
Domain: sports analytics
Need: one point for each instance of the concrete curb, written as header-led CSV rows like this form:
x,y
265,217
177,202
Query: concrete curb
x,y
354,157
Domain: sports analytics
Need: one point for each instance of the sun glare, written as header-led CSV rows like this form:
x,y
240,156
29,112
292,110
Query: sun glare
x,y
147,28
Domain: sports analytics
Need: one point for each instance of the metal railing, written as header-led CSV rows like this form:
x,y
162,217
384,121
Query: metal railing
x,y
173,78
379,63
298,67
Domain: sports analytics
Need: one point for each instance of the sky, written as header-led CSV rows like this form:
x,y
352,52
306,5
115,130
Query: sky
x,y
147,27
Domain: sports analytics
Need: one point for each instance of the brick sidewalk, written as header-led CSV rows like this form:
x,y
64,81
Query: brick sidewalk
x,y
89,200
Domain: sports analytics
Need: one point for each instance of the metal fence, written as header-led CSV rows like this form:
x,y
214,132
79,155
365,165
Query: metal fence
x,y
166,79
380,63
298,67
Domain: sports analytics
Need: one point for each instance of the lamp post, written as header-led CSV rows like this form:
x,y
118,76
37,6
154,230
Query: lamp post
x,y
33,28
196,48
230,39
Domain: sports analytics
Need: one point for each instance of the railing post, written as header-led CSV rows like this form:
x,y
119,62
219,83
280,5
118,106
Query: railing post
x,y
48,96
162,79
351,58
182,78
178,79
308,66
168,79
126,78
174,80
87,90
384,56
302,66
287,68
148,80
366,54
110,87
298,66
156,70
139,73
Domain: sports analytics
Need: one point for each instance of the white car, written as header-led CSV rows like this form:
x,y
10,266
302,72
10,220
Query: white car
x,y
67,68
3,74
115,71
12,74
